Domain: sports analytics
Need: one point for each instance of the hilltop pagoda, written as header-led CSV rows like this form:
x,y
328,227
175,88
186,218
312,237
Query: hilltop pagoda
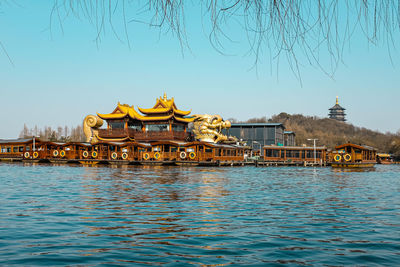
x,y
337,112
162,122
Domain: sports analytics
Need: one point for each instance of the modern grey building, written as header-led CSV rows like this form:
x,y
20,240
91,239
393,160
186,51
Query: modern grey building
x,y
290,138
258,135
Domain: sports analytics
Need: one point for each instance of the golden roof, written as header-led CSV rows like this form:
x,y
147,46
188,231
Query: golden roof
x,y
164,105
123,110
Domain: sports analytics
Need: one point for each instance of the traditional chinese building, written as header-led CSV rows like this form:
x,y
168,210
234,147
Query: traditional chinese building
x,y
162,122
337,112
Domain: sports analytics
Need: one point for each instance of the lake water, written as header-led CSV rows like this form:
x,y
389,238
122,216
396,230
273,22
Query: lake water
x,y
138,216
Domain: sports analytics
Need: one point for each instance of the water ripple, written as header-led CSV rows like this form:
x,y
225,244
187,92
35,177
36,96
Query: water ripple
x,y
86,216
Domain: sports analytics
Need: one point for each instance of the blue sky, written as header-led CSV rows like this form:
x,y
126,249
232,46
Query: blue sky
x,y
60,75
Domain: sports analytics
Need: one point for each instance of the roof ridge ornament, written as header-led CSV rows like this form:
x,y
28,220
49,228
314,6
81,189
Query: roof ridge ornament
x,y
337,100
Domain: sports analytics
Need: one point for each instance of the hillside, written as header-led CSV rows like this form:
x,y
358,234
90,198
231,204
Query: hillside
x,y
331,132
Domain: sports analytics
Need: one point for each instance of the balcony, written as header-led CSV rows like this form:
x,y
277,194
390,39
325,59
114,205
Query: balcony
x,y
144,136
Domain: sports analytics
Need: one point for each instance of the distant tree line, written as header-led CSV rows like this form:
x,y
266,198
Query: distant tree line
x,y
60,134
331,132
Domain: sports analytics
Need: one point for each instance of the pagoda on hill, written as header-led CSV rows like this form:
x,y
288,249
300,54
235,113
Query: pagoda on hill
x,y
337,112
162,122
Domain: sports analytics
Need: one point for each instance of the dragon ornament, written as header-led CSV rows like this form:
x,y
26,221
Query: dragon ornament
x,y
91,125
208,128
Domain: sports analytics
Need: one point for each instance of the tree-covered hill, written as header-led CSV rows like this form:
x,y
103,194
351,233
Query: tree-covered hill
x,y
331,132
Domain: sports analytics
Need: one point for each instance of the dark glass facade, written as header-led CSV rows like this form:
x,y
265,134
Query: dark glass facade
x,y
258,135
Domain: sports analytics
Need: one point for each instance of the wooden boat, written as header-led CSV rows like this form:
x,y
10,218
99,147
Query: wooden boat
x,y
18,149
123,153
383,158
353,156
295,154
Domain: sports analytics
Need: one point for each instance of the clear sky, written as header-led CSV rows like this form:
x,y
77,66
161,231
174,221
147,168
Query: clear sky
x,y
60,74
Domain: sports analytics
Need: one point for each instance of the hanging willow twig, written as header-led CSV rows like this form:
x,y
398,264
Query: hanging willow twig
x,y
302,31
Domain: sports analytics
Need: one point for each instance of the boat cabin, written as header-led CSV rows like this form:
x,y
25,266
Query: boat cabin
x,y
384,158
19,148
352,153
295,154
195,151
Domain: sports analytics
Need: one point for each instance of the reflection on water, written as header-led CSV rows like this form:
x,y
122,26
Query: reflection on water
x,y
62,215
369,169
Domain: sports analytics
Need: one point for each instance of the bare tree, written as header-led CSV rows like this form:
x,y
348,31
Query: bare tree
x,y
301,31
35,131
66,131
25,132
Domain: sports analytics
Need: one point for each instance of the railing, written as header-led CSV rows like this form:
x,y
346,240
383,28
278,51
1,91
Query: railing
x,y
153,135
114,133
143,136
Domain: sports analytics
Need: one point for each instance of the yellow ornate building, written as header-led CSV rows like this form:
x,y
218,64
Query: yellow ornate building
x,y
164,121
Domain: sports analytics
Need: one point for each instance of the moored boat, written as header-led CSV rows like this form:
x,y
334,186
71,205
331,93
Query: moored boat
x,y
384,158
353,156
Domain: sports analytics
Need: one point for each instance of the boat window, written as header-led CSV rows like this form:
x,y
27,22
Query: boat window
x,y
155,149
116,125
190,149
157,127
178,127
137,126
15,149
273,153
173,149
21,149
208,150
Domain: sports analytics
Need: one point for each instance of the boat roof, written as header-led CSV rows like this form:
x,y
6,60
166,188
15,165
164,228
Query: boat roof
x,y
363,147
289,132
170,142
116,143
295,147
19,140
